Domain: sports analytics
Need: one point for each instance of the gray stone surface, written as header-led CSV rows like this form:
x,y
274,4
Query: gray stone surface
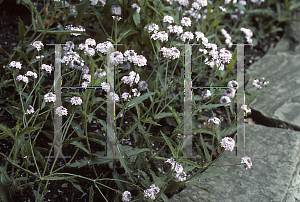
x,y
274,154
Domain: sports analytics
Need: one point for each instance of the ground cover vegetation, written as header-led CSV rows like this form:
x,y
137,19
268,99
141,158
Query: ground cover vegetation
x,y
148,94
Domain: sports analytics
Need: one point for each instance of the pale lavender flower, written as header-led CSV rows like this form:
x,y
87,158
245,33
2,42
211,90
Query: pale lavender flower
x,y
134,90
39,57
50,97
47,68
103,47
233,84
207,94
117,58
90,42
199,35
181,176
185,21
214,120
94,2
30,111
140,60
76,100
228,143
138,9
82,46
162,36
38,45
116,10
168,19
248,34
129,55
247,162
222,8
152,28
15,64
230,92
187,35
30,73
196,5
85,84
257,1
113,96
125,96
142,85
178,168
23,78
126,196
61,111
69,46
228,38
181,136
152,192
89,51
183,2
202,2
203,50
105,86
225,99
70,27
70,58
246,108
116,17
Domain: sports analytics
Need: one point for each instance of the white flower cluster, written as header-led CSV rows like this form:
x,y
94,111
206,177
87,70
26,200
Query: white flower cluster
x,y
228,143
257,1
230,92
228,38
47,68
214,120
50,97
152,192
187,35
162,36
168,19
94,2
225,99
138,9
207,94
15,64
30,73
248,34
116,10
129,79
175,29
86,46
246,108
126,196
23,78
76,100
233,84
259,84
180,174
38,45
247,162
70,27
100,75
103,47
61,111
30,111
228,1
170,52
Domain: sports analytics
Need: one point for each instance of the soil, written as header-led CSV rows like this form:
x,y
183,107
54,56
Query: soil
x,y
60,190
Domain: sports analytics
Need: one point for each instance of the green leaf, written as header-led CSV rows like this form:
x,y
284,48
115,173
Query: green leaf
x,y
7,131
294,6
175,115
141,3
78,187
131,151
215,23
207,156
139,99
27,130
170,145
136,18
41,159
39,17
4,52
81,146
149,120
124,163
203,188
64,32
21,29
162,115
91,194
201,155
189,162
81,8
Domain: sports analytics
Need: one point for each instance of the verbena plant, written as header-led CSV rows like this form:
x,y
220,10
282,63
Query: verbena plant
x,y
149,94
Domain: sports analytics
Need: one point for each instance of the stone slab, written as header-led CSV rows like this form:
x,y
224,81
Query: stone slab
x,y
274,176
